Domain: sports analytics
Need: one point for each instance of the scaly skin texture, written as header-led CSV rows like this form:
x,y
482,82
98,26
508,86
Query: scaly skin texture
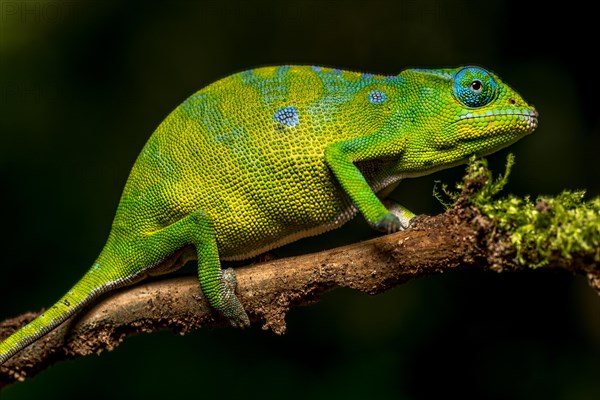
x,y
270,155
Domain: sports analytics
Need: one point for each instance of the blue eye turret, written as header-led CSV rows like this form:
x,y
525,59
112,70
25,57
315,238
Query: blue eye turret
x,y
474,87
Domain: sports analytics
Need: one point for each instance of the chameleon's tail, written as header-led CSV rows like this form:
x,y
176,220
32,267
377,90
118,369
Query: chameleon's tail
x,y
96,282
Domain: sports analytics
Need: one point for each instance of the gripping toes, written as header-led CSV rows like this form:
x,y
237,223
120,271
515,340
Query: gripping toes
x,y
389,224
230,305
405,216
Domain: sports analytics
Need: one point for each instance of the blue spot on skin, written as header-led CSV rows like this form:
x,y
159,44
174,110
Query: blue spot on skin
x,y
316,68
377,97
287,116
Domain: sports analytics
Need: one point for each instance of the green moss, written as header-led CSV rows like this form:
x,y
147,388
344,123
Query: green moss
x,y
551,226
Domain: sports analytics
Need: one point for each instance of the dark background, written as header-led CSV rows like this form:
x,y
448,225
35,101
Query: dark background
x,y
84,83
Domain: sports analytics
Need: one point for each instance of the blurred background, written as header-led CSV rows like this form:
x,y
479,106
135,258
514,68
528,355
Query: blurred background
x,y
84,83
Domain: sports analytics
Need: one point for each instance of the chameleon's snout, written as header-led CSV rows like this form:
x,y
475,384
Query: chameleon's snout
x,y
533,120
530,118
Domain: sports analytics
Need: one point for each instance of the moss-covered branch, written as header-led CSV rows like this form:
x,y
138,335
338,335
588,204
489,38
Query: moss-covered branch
x,y
549,230
480,231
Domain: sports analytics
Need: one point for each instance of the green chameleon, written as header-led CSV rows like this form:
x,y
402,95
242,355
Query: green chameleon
x,y
271,155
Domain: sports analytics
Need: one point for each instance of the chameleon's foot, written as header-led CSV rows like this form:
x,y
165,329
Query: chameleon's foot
x,y
389,224
404,215
230,305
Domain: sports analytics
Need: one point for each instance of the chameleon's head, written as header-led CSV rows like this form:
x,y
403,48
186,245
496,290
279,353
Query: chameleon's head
x,y
475,112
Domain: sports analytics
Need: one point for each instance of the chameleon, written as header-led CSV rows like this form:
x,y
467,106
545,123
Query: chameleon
x,y
267,156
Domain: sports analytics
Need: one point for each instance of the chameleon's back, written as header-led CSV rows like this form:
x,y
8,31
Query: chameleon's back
x,y
248,151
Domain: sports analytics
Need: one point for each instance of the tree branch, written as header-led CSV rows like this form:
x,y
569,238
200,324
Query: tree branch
x,y
462,237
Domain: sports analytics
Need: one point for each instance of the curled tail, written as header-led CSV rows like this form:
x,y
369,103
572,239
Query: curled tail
x,y
97,281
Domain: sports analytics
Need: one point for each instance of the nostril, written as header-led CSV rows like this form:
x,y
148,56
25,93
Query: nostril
x,y
512,101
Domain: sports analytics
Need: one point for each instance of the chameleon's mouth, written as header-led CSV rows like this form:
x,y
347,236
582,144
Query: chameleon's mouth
x,y
528,116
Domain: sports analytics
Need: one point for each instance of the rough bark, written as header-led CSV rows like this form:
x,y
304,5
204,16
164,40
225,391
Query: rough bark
x,y
459,238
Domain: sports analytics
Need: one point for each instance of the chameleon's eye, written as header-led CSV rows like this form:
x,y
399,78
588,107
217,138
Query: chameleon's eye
x,y
474,87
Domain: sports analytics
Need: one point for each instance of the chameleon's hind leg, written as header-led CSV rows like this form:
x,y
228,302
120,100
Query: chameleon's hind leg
x,y
217,285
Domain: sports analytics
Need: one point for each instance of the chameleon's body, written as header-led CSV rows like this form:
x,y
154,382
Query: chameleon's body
x,y
270,155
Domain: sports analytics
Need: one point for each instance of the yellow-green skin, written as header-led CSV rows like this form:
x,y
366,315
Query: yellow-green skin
x,y
270,155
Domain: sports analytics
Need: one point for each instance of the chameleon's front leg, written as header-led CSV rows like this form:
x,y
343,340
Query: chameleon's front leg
x,y
217,285
340,157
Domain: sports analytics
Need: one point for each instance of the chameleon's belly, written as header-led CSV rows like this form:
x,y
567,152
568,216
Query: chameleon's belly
x,y
252,213
300,203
